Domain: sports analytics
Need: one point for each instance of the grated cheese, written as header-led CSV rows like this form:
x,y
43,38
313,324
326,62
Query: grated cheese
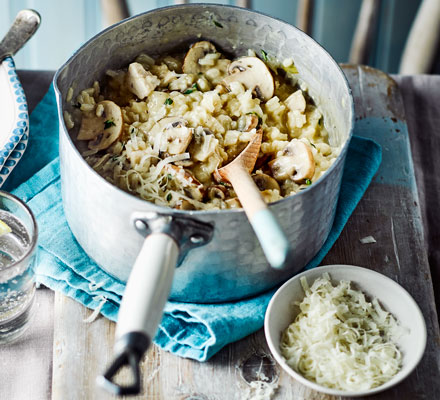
x,y
367,240
92,317
340,340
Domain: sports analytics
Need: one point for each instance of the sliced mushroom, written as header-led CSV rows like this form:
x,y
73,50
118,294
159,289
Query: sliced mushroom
x,y
102,131
253,74
216,192
141,82
296,101
195,53
296,162
265,182
186,180
171,135
184,205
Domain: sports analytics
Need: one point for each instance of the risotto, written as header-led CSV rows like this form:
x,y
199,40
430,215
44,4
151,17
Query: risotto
x,y
162,127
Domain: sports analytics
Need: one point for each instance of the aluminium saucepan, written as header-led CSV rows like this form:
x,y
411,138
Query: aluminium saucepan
x,y
218,255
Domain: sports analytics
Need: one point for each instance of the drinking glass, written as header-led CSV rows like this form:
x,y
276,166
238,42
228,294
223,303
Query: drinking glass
x,y
18,239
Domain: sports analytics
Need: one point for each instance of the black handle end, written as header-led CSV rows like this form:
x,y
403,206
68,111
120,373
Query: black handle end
x,y
129,349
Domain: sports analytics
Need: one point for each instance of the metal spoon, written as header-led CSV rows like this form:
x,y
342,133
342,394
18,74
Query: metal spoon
x,y
24,26
273,241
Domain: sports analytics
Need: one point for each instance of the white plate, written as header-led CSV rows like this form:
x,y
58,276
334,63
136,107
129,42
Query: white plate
x,y
390,294
14,119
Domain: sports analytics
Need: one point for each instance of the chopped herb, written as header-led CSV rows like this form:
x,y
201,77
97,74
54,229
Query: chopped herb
x,y
308,182
311,144
114,158
223,183
264,55
169,196
131,129
291,69
217,24
108,124
169,176
193,88
77,105
168,101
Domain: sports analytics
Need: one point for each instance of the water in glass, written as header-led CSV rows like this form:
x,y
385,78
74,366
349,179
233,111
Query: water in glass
x,y
17,286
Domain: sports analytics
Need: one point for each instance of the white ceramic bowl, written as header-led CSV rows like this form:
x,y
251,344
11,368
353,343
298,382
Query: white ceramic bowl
x,y
392,297
14,119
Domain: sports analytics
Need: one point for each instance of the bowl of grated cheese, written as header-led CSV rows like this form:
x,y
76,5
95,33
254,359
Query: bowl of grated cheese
x,y
345,330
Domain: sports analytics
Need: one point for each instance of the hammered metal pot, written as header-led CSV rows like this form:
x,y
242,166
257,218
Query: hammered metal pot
x,y
219,256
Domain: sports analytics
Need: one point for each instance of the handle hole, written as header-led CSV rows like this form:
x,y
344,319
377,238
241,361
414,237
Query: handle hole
x,y
126,363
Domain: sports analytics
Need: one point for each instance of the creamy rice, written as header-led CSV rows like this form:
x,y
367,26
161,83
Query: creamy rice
x,y
160,128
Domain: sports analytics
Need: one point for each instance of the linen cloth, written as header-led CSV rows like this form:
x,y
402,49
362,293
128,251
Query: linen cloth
x,y
188,330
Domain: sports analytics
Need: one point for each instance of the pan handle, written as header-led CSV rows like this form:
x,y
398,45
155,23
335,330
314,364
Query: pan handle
x,y
141,310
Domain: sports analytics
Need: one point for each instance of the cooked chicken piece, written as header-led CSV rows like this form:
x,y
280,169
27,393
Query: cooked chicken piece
x,y
204,144
296,101
140,81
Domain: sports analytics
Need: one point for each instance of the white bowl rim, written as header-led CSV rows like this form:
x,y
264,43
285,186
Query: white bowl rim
x,y
335,392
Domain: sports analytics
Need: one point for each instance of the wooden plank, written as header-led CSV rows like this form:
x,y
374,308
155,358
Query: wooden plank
x,y
389,211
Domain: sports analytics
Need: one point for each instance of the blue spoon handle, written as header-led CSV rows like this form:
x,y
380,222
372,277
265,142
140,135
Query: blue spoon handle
x,y
273,241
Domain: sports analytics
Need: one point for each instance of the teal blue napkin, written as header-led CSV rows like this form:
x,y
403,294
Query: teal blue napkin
x,y
188,330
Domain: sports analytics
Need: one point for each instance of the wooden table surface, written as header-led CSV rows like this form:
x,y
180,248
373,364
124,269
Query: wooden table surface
x,y
390,211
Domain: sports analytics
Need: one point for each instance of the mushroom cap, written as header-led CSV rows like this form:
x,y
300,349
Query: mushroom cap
x,y
172,134
197,51
253,74
296,162
102,131
216,191
265,182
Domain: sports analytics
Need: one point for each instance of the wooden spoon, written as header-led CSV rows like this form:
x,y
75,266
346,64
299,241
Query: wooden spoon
x,y
273,241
